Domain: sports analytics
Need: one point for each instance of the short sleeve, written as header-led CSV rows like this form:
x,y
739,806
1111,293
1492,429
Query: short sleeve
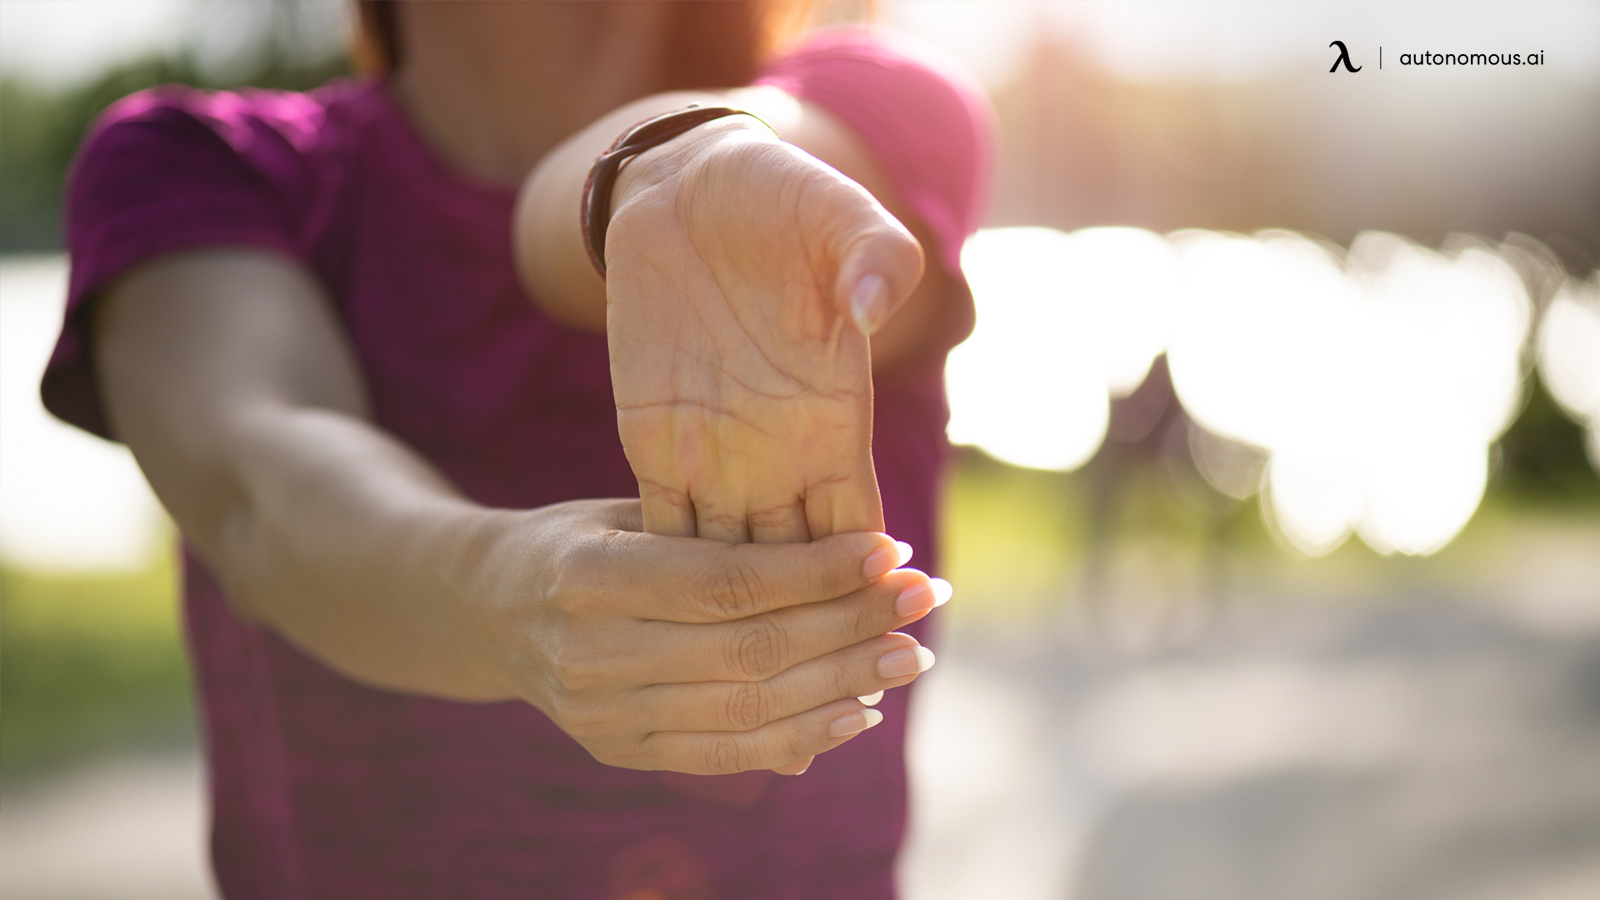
x,y
923,116
168,170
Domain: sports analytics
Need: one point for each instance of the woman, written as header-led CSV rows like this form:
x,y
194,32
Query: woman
x,y
429,665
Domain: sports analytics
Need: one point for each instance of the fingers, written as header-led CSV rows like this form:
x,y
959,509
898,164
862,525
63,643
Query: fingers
x,y
760,647
688,580
666,511
881,265
720,522
884,662
782,523
845,506
798,768
780,744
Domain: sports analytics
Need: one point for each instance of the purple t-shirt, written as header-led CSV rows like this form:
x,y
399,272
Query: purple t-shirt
x,y
324,788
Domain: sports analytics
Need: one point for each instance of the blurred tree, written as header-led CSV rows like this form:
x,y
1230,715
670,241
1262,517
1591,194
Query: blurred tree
x,y
1542,458
288,45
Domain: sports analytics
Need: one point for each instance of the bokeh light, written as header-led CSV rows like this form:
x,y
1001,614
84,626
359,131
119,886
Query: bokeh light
x,y
1569,355
68,500
1363,389
1065,322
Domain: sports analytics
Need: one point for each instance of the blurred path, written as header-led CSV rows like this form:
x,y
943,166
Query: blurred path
x,y
1432,743
128,829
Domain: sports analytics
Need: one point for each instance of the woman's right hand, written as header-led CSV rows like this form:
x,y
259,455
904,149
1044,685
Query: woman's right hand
x,y
744,275
690,654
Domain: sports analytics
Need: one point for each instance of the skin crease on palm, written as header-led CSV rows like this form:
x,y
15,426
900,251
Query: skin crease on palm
x,y
743,384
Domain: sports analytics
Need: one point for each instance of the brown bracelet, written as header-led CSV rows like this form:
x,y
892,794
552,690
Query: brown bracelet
x,y
595,214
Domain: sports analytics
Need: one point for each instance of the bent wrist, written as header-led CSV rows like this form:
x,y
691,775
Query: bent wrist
x,y
663,164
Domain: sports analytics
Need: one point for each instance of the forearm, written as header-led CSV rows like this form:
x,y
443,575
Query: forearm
x,y
345,542
226,374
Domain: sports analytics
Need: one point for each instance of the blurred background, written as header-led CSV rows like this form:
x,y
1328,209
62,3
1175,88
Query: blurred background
x,y
1276,519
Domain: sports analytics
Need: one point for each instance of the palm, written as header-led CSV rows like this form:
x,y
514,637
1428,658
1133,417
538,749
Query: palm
x,y
744,395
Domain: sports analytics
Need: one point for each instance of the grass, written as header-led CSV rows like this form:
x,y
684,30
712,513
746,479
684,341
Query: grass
x,y
90,663
1023,547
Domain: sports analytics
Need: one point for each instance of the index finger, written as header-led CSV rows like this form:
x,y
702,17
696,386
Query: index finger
x,y
696,580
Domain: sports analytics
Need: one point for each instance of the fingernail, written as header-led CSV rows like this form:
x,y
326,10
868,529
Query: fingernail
x,y
869,302
803,771
871,699
886,559
854,723
905,661
916,599
942,591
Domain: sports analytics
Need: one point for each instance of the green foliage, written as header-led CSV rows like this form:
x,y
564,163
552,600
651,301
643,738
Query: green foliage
x,y
89,663
1012,538
1543,461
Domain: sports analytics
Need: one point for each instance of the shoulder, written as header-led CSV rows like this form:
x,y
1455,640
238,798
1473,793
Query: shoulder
x,y
173,124
869,68
176,133
884,60
176,166
176,114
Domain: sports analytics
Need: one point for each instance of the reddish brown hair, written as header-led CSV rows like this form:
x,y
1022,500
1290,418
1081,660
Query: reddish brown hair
x,y
710,43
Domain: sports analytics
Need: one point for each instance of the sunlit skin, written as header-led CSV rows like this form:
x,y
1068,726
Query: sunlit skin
x,y
229,376
743,384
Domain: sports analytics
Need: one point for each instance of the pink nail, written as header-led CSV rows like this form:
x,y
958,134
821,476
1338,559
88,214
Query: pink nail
x,y
905,661
915,600
869,302
854,723
886,559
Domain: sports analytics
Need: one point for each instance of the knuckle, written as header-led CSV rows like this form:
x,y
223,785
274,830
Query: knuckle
x,y
724,755
576,673
747,706
799,746
590,721
839,683
864,616
755,651
733,590
573,589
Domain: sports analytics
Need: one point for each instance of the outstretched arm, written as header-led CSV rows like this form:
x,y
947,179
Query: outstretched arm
x,y
227,375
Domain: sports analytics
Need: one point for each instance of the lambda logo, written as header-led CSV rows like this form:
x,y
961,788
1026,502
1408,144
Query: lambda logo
x,y
1344,57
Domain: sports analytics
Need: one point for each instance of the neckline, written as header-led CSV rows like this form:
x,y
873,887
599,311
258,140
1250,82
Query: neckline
x,y
408,145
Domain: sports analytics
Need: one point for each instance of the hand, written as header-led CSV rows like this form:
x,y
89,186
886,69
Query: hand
x,y
743,277
693,655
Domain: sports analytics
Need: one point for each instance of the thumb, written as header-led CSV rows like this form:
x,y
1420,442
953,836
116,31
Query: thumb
x,y
881,265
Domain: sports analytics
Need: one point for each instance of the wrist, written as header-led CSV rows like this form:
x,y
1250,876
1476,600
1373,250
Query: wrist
x,y
660,164
474,555
654,153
